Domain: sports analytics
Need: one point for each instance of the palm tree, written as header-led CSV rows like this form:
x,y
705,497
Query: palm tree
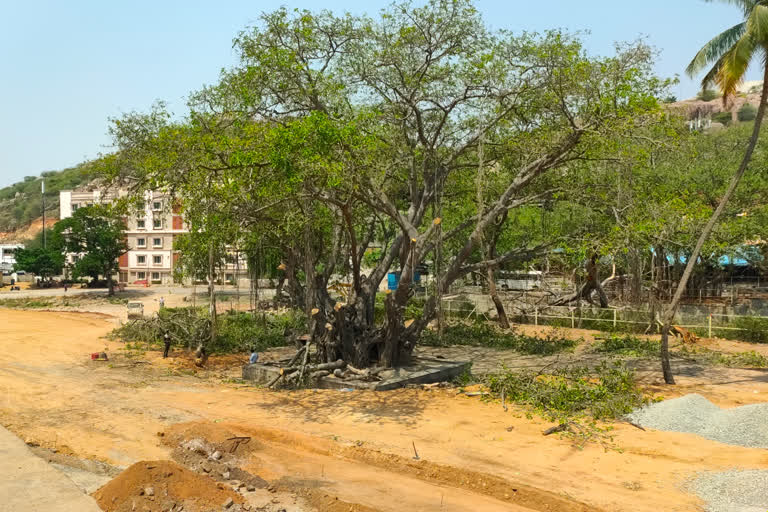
x,y
727,56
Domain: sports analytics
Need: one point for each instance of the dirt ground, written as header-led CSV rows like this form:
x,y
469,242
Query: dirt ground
x,y
340,450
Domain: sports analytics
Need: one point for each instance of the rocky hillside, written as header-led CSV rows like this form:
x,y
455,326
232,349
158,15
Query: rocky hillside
x,y
21,203
695,107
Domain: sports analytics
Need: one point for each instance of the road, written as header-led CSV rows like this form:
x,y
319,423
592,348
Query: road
x,y
30,483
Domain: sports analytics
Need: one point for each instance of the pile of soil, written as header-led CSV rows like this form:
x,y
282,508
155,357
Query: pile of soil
x,y
159,486
215,451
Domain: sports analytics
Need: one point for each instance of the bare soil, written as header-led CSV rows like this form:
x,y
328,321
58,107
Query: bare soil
x,y
159,486
339,451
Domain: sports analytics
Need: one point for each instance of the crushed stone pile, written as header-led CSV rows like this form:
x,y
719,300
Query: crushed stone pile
x,y
159,486
733,491
741,426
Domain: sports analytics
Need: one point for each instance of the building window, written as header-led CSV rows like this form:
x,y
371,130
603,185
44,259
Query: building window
x,y
157,260
157,242
141,275
141,224
157,205
75,206
141,242
141,260
155,276
75,258
229,277
157,223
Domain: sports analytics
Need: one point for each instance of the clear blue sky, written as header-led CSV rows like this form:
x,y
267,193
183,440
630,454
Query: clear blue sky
x,y
66,67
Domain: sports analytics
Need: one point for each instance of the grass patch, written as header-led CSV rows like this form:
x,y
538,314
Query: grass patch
x,y
627,345
632,346
750,359
236,332
26,303
483,334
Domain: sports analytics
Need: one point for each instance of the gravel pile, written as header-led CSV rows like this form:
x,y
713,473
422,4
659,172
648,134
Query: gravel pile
x,y
733,491
694,414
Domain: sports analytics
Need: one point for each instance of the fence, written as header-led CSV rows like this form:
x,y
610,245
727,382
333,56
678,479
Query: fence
x,y
702,321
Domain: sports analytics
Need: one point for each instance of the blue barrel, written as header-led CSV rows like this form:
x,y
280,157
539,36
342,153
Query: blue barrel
x,y
393,279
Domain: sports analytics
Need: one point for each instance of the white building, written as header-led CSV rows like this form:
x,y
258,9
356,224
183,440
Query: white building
x,y
150,234
8,256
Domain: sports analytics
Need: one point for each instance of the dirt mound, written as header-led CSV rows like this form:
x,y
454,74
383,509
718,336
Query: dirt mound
x,y
159,486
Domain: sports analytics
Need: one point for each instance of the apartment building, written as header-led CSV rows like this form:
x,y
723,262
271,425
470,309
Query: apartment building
x,y
8,256
150,234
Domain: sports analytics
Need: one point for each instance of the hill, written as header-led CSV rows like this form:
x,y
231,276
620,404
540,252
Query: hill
x,y
21,203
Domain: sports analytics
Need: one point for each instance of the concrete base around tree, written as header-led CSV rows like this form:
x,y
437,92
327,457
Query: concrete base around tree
x,y
27,482
421,371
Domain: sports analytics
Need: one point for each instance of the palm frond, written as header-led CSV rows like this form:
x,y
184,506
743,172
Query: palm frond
x,y
734,65
745,5
716,48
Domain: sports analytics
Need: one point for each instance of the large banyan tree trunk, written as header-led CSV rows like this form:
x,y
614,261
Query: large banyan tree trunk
x,y
592,285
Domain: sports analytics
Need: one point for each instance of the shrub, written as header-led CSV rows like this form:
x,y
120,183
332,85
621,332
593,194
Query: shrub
x,y
722,118
708,95
237,332
754,329
747,112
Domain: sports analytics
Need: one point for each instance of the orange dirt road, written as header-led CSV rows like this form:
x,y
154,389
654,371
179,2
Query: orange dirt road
x,y
354,445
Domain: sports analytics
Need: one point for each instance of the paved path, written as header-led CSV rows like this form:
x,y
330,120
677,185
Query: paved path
x,y
27,482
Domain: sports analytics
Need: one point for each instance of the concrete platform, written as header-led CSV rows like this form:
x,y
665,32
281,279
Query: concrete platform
x,y
422,370
29,483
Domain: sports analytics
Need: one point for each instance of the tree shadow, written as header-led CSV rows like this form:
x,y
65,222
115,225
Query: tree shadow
x,y
404,406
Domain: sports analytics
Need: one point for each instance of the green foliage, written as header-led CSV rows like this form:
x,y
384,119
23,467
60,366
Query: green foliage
x,y
708,95
747,112
371,258
670,99
42,262
749,359
21,202
97,233
753,329
483,334
188,327
27,303
606,392
722,118
628,345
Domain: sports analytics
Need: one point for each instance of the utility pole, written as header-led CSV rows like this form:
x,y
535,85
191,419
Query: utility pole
x,y
42,191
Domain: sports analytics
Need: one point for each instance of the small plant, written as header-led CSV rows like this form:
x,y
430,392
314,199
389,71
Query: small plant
x,y
627,345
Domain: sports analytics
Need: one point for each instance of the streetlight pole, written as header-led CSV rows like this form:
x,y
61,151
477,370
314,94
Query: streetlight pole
x,y
42,191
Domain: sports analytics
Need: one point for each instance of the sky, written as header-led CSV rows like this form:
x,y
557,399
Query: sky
x,y
67,67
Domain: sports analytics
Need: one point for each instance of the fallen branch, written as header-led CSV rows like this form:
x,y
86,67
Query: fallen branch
x,y
558,428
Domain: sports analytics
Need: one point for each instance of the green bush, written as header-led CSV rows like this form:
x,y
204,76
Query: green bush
x,y
747,112
708,95
754,329
722,118
603,393
237,332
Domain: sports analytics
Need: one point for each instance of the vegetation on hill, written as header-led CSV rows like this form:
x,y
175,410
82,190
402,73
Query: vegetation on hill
x,y
21,203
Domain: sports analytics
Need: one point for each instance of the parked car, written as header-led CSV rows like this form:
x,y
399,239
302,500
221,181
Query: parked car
x,y
135,310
